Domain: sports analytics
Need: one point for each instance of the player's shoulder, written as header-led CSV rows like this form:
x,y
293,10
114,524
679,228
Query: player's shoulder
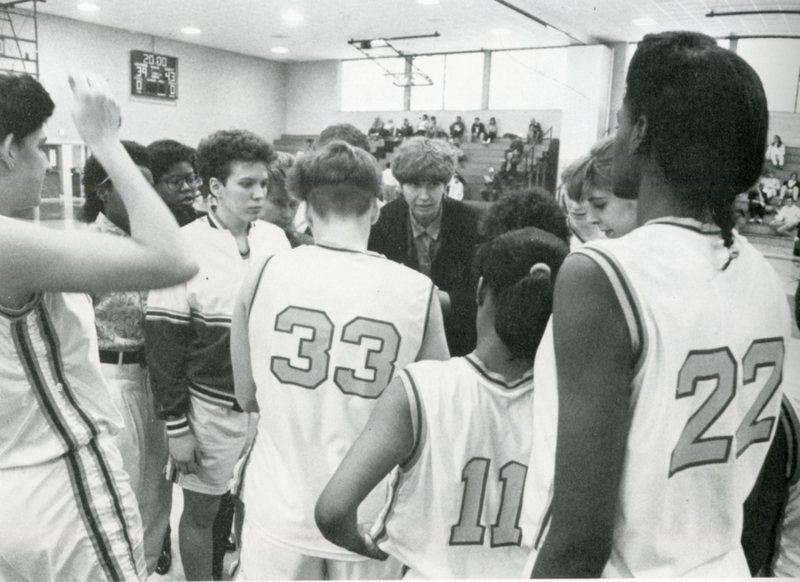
x,y
428,375
267,231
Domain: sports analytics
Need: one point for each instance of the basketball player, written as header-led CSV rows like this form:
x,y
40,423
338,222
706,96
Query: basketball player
x,y
318,334
187,333
457,434
67,509
668,395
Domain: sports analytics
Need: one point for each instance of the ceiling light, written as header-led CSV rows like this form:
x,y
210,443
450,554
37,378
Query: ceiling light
x,y
644,21
190,30
428,2
88,7
292,18
500,31
279,50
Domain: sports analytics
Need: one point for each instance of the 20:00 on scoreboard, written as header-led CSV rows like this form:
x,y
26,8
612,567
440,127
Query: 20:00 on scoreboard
x,y
154,75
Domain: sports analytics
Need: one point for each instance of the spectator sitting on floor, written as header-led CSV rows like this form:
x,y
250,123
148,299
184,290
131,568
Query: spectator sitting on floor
x,y
490,186
787,219
478,130
491,131
405,130
455,187
457,129
770,186
790,188
756,204
776,152
376,129
422,126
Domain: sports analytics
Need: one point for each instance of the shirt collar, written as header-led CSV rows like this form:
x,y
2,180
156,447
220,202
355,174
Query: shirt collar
x,y
432,230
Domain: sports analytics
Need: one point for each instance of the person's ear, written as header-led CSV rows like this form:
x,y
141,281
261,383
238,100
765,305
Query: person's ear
x,y
8,151
216,187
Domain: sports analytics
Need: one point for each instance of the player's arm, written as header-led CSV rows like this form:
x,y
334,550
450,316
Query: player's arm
x,y
434,342
385,442
594,357
243,382
38,259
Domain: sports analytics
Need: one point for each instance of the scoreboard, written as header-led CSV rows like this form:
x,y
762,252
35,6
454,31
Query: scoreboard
x,y
154,75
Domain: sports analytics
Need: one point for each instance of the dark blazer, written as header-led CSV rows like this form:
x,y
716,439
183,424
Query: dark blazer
x,y
451,271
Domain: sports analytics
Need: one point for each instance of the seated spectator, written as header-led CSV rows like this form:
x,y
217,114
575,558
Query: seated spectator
x,y
491,131
280,207
787,219
776,152
457,129
478,130
790,188
175,179
433,234
535,132
490,186
391,136
756,204
509,173
422,126
522,209
405,130
376,129
770,186
455,187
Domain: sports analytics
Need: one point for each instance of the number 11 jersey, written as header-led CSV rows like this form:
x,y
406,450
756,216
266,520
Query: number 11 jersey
x,y
328,327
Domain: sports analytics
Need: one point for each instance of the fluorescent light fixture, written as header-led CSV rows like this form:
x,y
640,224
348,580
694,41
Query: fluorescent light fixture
x,y
279,50
190,30
428,2
644,21
292,18
500,31
88,7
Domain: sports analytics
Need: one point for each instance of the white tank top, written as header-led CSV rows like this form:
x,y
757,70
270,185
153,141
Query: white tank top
x,y
705,398
328,329
455,507
54,397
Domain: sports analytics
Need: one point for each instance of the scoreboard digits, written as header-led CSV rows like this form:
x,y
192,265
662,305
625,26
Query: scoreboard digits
x,y
154,75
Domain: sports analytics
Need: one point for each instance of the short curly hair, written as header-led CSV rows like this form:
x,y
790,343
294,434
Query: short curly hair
x,y
165,153
339,179
94,175
533,207
590,172
218,151
24,105
421,159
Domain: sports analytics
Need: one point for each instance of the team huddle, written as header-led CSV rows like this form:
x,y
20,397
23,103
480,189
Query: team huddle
x,y
617,416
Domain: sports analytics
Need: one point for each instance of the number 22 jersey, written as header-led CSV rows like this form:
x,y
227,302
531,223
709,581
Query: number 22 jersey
x,y
709,346
328,328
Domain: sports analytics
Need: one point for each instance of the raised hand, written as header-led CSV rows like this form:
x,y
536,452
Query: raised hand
x,y
96,113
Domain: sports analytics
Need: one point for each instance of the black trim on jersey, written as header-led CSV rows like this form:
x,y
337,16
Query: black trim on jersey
x,y
638,356
331,247
12,314
211,319
425,323
249,305
548,515
791,426
175,317
527,377
405,464
58,369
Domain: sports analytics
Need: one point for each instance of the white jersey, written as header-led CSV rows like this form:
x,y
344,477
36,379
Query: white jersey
x,y
787,559
328,329
709,346
454,508
54,396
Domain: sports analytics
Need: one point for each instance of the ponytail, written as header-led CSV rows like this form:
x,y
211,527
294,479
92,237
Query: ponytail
x,y
522,312
721,207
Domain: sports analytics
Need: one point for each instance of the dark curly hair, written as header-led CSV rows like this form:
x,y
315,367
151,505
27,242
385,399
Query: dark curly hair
x,y
345,132
533,207
523,300
94,174
339,179
165,153
707,119
24,105
218,151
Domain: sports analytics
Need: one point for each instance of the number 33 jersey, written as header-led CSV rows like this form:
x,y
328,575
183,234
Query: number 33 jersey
x,y
454,508
328,329
709,345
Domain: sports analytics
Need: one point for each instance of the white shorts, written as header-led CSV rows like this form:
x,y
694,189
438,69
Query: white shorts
x,y
221,437
142,443
261,559
73,518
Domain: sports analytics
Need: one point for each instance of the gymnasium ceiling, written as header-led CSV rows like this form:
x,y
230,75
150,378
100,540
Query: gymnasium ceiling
x,y
320,29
